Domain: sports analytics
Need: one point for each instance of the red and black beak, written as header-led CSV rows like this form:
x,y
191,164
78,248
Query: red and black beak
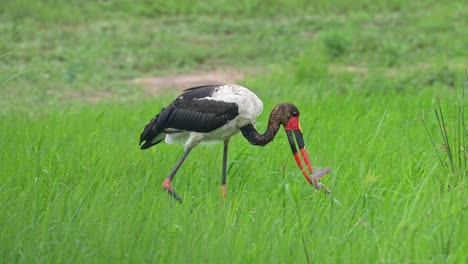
x,y
293,130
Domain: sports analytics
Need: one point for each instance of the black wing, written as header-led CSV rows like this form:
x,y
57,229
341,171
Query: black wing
x,y
192,111
200,115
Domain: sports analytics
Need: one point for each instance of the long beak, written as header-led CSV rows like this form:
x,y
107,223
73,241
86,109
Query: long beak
x,y
293,131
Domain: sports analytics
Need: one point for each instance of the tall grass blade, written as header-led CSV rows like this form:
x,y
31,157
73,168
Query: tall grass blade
x,y
454,136
443,132
433,143
301,225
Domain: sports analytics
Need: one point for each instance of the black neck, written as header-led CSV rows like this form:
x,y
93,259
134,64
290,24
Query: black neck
x,y
255,138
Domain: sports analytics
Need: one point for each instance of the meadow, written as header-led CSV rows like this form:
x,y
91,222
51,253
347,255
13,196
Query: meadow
x,y
381,86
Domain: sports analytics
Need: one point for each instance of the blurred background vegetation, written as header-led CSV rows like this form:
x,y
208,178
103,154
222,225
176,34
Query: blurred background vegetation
x,y
373,80
51,47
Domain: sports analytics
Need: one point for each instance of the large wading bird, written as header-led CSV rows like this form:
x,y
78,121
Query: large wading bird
x,y
212,113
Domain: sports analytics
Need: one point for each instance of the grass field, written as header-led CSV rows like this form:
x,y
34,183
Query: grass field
x,y
373,81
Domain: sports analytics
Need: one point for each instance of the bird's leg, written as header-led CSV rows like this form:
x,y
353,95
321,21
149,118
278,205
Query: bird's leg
x,y
167,182
223,179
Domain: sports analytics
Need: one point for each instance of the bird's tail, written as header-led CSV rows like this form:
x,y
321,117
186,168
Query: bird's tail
x,y
151,135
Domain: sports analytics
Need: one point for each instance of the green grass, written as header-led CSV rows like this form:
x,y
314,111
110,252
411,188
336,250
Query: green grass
x,y
76,188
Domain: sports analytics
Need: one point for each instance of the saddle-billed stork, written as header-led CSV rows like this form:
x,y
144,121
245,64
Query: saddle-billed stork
x,y
216,113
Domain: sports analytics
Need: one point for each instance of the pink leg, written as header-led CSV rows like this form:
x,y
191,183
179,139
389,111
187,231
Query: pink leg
x,y
167,183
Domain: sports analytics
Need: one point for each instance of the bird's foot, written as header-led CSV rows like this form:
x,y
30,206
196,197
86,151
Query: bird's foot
x,y
317,174
223,190
168,187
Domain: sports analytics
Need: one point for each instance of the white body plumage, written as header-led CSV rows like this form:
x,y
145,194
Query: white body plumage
x,y
249,107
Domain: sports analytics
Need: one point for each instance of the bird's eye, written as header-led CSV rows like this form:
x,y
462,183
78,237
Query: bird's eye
x,y
295,113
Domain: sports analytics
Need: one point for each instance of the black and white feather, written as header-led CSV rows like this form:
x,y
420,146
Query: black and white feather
x,y
203,114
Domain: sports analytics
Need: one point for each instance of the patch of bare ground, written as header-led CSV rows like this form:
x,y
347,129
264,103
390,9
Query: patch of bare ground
x,y
154,86
157,85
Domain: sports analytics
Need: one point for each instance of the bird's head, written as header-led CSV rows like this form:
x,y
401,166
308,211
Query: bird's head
x,y
287,114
